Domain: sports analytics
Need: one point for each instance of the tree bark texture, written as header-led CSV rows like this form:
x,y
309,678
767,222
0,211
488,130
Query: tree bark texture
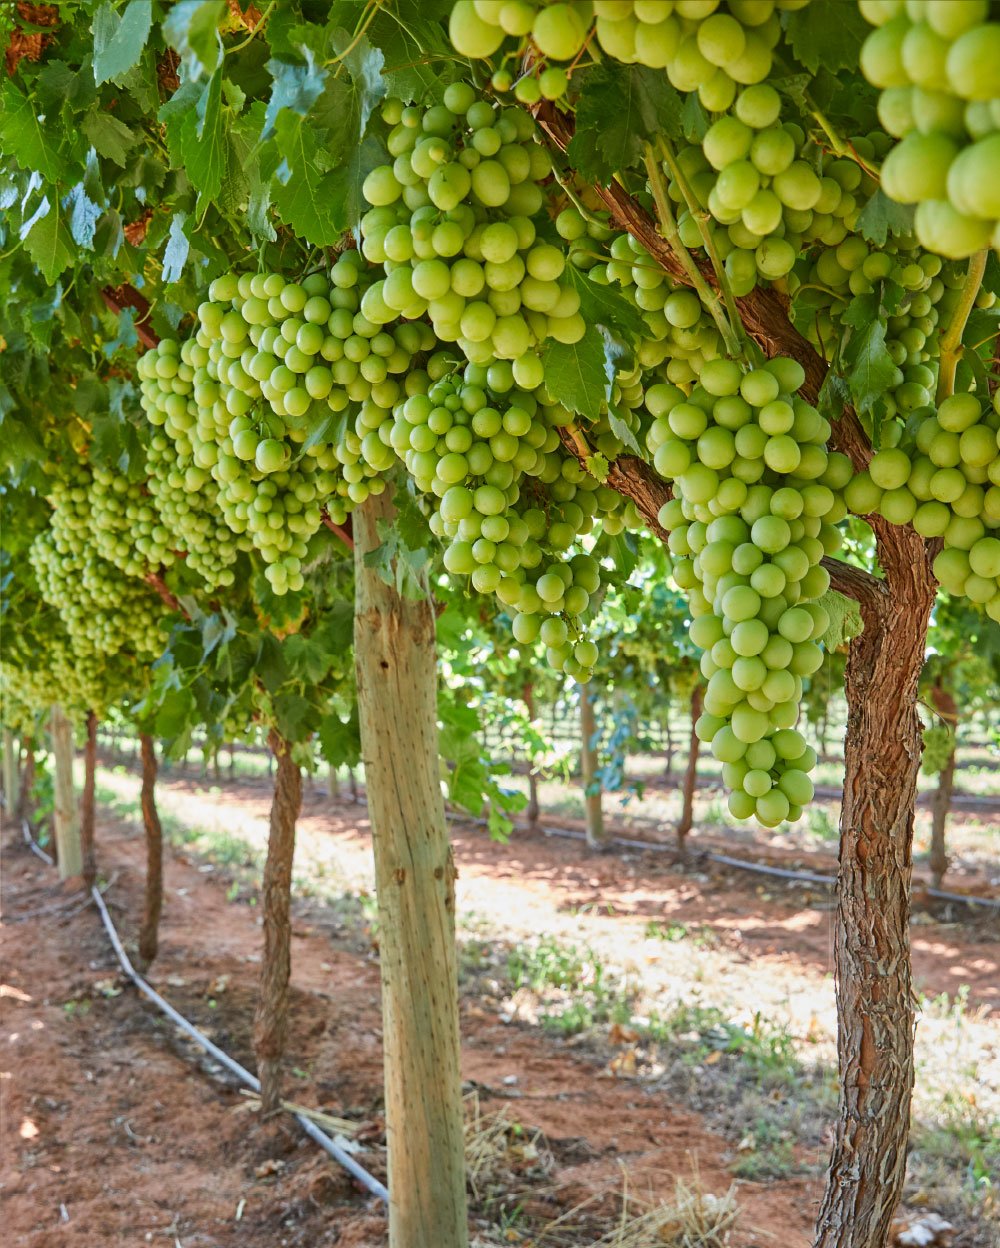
x,y
395,655
691,774
596,838
27,783
945,706
69,854
88,812
149,931
532,810
872,951
271,1020
10,777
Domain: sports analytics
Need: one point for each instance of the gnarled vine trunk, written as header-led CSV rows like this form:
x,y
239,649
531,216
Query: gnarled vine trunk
x,y
945,706
149,930
69,856
27,783
596,837
395,655
88,812
690,774
271,1020
874,991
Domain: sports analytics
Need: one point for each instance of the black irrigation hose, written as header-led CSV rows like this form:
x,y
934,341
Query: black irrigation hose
x,y
329,1146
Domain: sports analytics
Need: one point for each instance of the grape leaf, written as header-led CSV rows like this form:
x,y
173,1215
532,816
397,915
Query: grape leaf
x,y
296,87
828,35
411,45
83,216
110,137
304,196
176,253
119,41
194,122
872,369
619,108
23,136
602,305
574,373
48,241
306,659
881,217
340,742
191,28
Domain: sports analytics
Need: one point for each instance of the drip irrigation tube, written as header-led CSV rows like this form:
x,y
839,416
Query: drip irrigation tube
x,y
328,1145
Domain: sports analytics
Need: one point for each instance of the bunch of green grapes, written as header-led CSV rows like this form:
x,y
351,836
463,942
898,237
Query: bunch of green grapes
x,y
756,501
936,64
943,477
939,742
104,610
769,190
512,507
127,529
682,336
706,46
54,671
451,224
855,267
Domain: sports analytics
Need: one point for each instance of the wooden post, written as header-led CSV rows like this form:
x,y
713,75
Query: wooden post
x,y
88,811
69,854
395,655
10,777
592,799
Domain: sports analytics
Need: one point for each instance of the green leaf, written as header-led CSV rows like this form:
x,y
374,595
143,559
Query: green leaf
x,y
195,136
292,715
23,135
418,62
83,216
216,630
597,465
882,216
119,41
574,373
176,252
340,742
110,137
620,107
828,35
306,660
616,354
305,196
872,370
296,87
192,29
603,305
48,242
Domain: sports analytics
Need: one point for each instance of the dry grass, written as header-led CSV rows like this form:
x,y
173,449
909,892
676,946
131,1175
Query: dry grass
x,y
693,1219
497,1149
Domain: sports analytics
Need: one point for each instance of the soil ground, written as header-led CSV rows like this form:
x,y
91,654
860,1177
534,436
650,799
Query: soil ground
x,y
117,1132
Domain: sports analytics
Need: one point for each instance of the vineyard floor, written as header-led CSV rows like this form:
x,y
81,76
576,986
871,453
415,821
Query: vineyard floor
x,y
703,1053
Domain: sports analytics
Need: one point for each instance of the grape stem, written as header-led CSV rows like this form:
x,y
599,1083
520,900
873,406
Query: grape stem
x,y
256,30
838,146
579,441
701,218
345,534
575,199
951,341
668,228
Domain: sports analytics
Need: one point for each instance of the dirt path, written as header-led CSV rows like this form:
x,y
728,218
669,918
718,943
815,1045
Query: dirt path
x,y
116,1134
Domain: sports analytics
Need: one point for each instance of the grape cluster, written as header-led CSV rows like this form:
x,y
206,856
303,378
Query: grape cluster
x,y
928,286
770,189
104,611
681,335
126,526
756,502
704,45
944,478
510,505
936,65
939,742
451,224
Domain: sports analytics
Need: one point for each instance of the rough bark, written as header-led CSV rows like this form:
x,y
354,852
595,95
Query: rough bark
x,y
149,930
271,1020
395,655
874,991
69,855
596,838
945,706
10,778
24,798
691,774
531,812
88,812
